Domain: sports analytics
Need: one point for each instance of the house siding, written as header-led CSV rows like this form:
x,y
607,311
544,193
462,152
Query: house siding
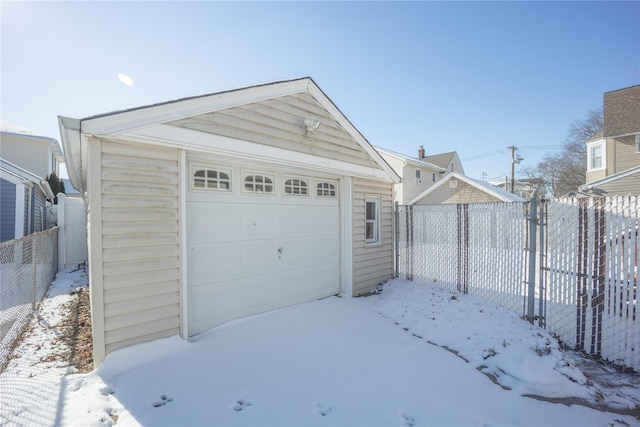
x,y
372,264
463,193
624,156
622,187
278,123
7,210
140,244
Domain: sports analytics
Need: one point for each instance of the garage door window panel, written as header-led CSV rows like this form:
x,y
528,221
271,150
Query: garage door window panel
x,y
296,186
259,183
211,179
326,189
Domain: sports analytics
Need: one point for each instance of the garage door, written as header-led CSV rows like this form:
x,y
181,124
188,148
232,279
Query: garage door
x,y
254,251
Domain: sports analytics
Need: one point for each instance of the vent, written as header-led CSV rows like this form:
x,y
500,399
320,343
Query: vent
x,y
453,183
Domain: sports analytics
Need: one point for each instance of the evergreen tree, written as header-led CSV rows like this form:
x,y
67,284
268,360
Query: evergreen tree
x,y
56,184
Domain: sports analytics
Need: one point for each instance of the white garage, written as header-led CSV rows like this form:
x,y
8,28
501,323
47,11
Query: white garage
x,y
216,207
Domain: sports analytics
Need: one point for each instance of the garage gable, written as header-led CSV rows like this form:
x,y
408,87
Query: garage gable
x,y
280,122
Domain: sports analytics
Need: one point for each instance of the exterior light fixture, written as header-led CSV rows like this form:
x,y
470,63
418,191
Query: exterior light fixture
x,y
311,125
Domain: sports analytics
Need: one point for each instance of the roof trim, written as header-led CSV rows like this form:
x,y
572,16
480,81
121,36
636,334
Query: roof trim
x,y
480,185
610,178
76,132
410,160
25,175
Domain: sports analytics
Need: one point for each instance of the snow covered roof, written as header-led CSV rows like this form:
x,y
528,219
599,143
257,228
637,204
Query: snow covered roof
x,y
496,192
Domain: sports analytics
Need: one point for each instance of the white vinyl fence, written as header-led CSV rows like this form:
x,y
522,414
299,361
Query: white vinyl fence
x,y
27,267
577,257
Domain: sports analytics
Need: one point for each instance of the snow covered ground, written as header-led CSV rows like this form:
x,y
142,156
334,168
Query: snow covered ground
x,y
387,359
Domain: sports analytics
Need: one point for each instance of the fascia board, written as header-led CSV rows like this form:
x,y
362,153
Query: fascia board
x,y
126,121
328,105
173,136
72,149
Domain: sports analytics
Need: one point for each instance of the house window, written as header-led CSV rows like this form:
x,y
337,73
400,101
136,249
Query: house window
x,y
637,143
433,177
296,186
372,220
258,184
418,178
326,189
211,179
595,157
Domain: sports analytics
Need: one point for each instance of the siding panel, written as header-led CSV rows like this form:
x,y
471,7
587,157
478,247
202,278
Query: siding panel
x,y
141,251
372,264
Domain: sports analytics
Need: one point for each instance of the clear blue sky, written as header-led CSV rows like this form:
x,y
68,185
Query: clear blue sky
x,y
475,77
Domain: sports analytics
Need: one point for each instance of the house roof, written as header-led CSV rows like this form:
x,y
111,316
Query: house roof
x,y
484,186
16,130
610,178
75,132
622,112
25,175
442,160
410,160
595,137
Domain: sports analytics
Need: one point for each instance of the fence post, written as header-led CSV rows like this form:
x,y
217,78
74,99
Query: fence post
x,y
541,277
396,217
34,271
533,222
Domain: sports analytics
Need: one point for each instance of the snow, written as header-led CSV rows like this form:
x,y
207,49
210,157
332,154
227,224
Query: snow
x,y
385,360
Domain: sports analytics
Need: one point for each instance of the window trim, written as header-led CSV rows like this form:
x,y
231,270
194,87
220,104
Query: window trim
x,y
603,155
637,143
304,179
376,238
418,176
195,167
246,174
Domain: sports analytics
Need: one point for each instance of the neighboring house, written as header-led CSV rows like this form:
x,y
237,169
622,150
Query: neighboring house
x,y
23,202
458,188
525,187
450,162
30,151
613,155
216,207
416,174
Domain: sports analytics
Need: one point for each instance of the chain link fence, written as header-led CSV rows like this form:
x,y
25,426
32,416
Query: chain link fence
x,y
586,280
27,267
590,280
479,249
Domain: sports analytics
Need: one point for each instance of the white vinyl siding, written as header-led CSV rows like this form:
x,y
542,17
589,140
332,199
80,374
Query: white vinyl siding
x,y
278,123
140,243
372,264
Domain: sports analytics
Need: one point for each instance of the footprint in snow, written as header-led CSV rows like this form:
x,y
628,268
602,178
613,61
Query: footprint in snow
x,y
321,409
164,399
407,420
240,405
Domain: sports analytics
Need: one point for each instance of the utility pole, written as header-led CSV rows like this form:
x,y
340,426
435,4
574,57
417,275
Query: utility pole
x,y
515,159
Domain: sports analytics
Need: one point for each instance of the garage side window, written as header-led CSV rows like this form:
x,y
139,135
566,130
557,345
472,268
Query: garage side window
x,y
326,189
211,179
296,186
372,220
258,184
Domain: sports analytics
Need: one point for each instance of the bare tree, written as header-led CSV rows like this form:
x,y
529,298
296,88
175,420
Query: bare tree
x,y
565,171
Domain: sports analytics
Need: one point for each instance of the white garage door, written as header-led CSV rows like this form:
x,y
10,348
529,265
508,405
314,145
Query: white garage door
x,y
250,252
